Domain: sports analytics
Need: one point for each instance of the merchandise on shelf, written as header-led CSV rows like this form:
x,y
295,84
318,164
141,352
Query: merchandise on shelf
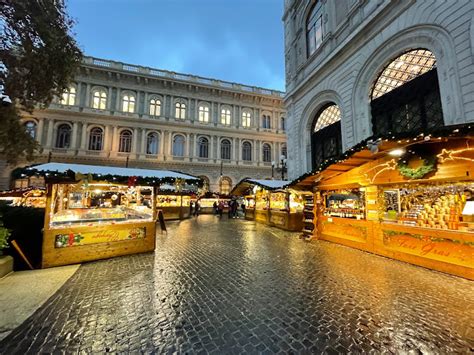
x,y
262,200
296,202
168,201
345,203
249,202
431,206
94,204
308,215
278,201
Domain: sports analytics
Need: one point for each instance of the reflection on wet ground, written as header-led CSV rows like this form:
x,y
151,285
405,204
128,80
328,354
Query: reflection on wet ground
x,y
234,286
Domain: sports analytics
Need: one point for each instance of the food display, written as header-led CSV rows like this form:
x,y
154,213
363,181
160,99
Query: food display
x,y
278,201
95,204
261,200
297,202
345,203
430,206
168,201
249,202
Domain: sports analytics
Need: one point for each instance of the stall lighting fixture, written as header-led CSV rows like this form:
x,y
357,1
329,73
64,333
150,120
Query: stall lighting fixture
x,y
397,152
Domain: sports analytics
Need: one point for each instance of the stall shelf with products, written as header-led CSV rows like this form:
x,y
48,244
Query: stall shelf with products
x,y
27,197
96,212
250,207
409,199
174,205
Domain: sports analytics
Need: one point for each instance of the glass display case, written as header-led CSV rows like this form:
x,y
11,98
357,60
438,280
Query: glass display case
x,y
96,204
345,203
278,201
168,201
261,200
249,202
297,202
441,206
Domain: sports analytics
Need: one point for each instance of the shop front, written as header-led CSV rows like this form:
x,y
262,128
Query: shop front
x,y
410,199
97,212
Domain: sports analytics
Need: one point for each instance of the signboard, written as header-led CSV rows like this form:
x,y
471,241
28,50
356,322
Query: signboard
x,y
73,238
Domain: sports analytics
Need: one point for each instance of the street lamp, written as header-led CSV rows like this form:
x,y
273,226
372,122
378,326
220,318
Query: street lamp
x,y
280,167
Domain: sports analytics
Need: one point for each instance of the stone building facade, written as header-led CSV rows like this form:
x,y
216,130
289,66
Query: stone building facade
x,y
126,115
339,53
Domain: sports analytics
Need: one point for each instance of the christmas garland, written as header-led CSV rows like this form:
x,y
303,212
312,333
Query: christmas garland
x,y
429,165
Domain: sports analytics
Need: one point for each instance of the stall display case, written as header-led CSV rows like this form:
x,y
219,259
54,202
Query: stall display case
x,y
309,216
262,206
345,203
174,206
89,221
249,207
438,206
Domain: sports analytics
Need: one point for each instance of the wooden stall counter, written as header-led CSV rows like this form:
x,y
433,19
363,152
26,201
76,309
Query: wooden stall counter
x,y
353,232
262,216
250,214
287,221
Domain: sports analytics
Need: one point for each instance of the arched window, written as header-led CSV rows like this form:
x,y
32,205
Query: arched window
x,y
225,185
178,146
96,137
152,143
246,151
225,149
284,151
125,141
314,28
405,97
267,153
99,99
180,110
225,116
266,122
203,146
246,119
155,107
69,96
203,113
326,141
206,183
128,102
30,128
283,124
63,137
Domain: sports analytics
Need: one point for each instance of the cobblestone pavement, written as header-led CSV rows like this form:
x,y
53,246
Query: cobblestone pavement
x,y
236,286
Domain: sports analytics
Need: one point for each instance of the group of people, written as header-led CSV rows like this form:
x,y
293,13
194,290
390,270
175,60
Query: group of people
x,y
232,211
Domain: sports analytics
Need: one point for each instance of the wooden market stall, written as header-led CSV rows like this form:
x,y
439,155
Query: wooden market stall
x,y
28,197
97,212
175,205
206,202
267,202
410,199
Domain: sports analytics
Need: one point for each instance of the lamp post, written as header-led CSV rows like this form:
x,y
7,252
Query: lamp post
x,y
280,167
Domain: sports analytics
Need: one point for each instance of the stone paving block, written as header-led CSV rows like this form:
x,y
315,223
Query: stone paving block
x,y
231,287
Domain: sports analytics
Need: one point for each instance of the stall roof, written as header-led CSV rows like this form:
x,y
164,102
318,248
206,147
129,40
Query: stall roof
x,y
56,171
362,152
245,184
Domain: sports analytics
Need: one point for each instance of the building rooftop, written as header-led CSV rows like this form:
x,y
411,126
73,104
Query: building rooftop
x,y
166,74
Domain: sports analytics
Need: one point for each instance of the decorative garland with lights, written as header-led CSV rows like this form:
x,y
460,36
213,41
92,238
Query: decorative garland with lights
x,y
429,165
70,176
439,133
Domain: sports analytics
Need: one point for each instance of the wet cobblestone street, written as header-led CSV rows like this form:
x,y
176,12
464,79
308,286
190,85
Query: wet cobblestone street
x,y
234,286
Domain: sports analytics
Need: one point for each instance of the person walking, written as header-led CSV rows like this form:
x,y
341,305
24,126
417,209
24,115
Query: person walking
x,y
220,208
215,207
231,210
235,205
197,207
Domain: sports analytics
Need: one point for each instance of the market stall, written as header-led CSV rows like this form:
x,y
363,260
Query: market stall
x,y
268,203
174,205
206,202
410,199
27,197
96,212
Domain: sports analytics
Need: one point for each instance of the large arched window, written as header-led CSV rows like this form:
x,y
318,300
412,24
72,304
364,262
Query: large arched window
x,y
225,116
225,149
405,96
225,185
99,99
246,119
63,136
128,102
246,151
266,122
125,141
69,96
203,146
155,107
152,140
326,141
178,146
96,137
314,28
267,153
205,183
180,110
30,128
203,113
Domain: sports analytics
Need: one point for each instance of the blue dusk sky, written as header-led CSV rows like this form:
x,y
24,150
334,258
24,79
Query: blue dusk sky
x,y
233,40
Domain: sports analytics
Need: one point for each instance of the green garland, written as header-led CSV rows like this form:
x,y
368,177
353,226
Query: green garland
x,y
429,165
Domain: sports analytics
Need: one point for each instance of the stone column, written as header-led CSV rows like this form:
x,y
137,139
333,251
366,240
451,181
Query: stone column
x,y
134,140
143,142
114,140
106,144
39,130
84,136
162,143
74,135
170,144
88,102
49,136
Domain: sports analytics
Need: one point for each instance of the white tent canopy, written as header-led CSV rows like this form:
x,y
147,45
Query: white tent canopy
x,y
111,170
272,184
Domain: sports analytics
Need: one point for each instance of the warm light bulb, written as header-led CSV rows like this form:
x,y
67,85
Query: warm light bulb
x,y
397,152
